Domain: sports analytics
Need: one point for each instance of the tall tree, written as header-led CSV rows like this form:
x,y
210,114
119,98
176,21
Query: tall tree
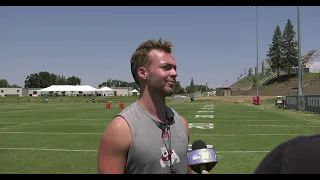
x,y
275,57
178,89
61,80
4,83
44,78
53,79
290,47
250,73
73,80
32,81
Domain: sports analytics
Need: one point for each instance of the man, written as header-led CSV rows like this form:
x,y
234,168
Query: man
x,y
147,137
298,155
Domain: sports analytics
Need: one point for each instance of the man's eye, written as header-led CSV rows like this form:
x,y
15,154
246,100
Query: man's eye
x,y
167,67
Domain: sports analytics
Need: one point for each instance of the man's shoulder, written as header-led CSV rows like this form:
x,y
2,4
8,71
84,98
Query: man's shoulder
x,y
172,110
130,106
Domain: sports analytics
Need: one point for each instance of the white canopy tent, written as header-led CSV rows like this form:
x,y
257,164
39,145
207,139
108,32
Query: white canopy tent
x,y
105,89
134,91
69,88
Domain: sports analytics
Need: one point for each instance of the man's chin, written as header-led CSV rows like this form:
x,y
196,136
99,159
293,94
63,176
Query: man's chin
x,y
168,92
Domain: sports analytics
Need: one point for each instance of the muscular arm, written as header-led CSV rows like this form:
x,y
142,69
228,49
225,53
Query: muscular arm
x,y
185,123
113,147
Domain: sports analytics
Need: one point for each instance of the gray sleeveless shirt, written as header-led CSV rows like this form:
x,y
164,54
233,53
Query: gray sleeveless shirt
x,y
150,147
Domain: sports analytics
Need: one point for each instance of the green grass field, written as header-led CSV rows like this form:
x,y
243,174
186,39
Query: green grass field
x,y
63,137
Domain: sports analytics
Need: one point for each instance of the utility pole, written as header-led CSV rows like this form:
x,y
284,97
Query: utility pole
x,y
299,55
257,51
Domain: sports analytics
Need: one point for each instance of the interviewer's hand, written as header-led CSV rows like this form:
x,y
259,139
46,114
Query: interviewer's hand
x,y
204,172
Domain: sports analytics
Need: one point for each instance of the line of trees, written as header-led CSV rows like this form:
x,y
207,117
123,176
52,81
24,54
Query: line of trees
x,y
177,90
283,51
191,88
118,83
5,84
45,79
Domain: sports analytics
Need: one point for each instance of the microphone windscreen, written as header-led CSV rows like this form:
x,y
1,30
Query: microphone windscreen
x,y
198,144
201,157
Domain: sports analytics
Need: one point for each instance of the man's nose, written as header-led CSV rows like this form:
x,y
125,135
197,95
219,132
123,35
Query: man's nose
x,y
174,72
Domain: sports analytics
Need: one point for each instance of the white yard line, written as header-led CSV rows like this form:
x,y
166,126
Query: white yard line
x,y
295,118
33,123
66,125
42,149
93,150
243,151
46,121
268,125
245,134
52,133
88,133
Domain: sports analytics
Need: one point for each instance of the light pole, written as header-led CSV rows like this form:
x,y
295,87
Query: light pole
x,y
299,55
257,51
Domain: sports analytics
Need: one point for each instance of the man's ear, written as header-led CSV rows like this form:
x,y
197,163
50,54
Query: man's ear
x,y
142,73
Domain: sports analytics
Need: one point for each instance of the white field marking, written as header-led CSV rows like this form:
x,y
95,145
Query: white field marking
x,y
86,119
52,120
204,116
24,111
9,123
296,118
68,124
51,133
66,108
201,125
94,150
207,108
227,120
87,133
269,125
243,151
244,134
254,125
64,120
248,120
205,111
200,120
208,105
33,123
9,106
243,116
40,149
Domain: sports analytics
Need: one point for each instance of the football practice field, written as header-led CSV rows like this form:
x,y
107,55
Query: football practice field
x,y
63,137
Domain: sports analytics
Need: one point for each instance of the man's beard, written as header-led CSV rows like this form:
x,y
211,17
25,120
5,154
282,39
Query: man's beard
x,y
159,87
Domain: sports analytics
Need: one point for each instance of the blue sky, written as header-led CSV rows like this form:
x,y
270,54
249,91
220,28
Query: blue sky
x,y
211,44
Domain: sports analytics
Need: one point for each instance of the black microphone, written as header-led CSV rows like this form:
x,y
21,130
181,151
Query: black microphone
x,y
201,158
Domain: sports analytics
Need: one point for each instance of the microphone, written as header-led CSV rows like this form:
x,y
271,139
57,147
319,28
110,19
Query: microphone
x,y
201,158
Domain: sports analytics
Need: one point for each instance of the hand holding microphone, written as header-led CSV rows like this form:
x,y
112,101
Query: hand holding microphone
x,y
201,159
